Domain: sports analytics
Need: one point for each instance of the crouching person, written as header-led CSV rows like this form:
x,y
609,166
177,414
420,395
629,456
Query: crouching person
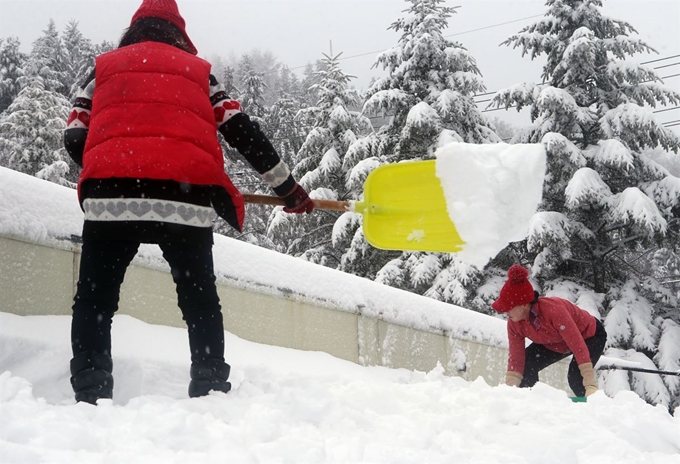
x,y
557,328
144,130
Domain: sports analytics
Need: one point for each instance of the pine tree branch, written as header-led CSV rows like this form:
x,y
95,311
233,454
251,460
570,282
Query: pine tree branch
x,y
311,246
300,238
614,227
620,244
333,257
599,229
321,243
630,266
646,252
581,261
586,280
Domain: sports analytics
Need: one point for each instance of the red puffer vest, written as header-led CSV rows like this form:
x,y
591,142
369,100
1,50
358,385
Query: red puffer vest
x,y
152,119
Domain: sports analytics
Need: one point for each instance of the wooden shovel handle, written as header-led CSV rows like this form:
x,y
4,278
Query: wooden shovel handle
x,y
332,205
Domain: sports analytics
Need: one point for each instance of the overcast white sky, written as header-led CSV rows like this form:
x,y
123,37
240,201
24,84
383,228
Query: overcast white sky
x,y
298,31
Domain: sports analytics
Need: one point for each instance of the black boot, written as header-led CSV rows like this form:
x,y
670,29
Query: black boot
x,y
91,377
209,375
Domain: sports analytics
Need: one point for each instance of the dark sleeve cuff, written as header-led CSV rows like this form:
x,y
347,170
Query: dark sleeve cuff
x,y
74,142
286,187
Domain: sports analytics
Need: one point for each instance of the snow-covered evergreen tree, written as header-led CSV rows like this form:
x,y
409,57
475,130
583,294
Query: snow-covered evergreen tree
x,y
247,180
606,202
504,129
287,134
103,47
320,168
244,177
229,82
79,54
12,62
309,81
79,62
252,89
428,95
429,88
31,133
251,83
48,61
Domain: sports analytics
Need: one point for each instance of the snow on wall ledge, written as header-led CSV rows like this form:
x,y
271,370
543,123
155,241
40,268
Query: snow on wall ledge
x,y
36,211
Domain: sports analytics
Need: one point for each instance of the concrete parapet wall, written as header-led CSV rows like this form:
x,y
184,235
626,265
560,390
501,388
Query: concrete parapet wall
x,y
36,279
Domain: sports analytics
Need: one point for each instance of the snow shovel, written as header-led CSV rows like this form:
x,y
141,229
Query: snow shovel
x,y
404,208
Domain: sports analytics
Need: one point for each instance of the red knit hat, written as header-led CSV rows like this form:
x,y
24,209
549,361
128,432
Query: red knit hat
x,y
516,291
164,9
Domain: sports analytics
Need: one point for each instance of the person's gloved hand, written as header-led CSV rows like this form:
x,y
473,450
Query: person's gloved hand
x,y
589,378
297,201
590,389
513,378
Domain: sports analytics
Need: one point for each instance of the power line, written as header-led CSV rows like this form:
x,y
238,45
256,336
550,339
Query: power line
x,y
660,59
666,109
494,25
667,65
451,35
659,67
481,29
482,94
498,109
492,93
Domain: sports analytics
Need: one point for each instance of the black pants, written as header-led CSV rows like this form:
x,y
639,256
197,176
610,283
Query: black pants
x,y
538,357
102,269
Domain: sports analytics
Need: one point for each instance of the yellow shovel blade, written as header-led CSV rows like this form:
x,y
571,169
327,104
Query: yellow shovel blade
x,y
404,209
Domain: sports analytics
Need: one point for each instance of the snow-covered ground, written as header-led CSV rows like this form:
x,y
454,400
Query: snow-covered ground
x,y
288,406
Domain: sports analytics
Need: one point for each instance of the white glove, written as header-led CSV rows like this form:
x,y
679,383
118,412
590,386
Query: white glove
x,y
589,378
513,378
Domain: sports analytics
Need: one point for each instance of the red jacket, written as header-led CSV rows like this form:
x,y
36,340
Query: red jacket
x,y
557,324
173,136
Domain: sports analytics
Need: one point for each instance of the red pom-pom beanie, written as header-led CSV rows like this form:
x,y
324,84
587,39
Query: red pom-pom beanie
x,y
167,10
516,291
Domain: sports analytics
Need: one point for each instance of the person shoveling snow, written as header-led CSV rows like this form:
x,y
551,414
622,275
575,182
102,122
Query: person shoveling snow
x,y
144,129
